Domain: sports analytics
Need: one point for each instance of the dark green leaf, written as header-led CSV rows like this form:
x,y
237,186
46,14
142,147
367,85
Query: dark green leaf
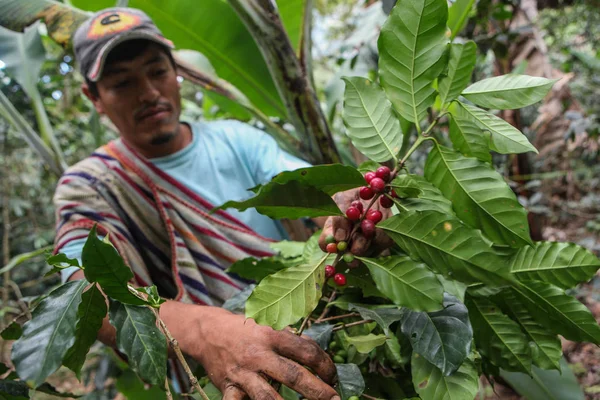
x,y
361,278
430,199
406,282
372,124
330,178
546,349
51,390
445,244
558,312
431,384
133,388
406,187
561,264
460,67
458,15
104,265
237,303
321,333
383,316
443,337
467,136
12,390
480,196
12,332
153,298
351,382
141,341
546,385
59,262
90,314
255,269
291,200
508,92
3,368
505,138
411,44
287,393
498,337
49,334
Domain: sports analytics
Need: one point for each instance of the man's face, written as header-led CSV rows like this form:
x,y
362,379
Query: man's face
x,y
141,97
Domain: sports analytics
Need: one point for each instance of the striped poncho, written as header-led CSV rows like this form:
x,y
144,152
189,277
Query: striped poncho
x,y
162,229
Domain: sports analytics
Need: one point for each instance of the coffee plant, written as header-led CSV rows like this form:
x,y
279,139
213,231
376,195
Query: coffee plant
x,y
463,292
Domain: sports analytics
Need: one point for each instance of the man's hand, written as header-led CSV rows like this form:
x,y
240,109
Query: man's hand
x,y
241,357
341,227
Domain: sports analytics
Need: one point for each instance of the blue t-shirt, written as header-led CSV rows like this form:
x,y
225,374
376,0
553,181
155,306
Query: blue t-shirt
x,y
223,161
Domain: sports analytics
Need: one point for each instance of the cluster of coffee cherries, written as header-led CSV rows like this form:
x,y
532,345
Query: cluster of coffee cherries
x,y
376,182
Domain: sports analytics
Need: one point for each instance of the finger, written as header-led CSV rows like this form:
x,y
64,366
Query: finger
x,y
327,230
341,228
300,379
256,387
360,245
233,393
305,353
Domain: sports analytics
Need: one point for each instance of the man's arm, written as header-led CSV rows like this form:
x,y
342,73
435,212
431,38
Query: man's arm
x,y
240,355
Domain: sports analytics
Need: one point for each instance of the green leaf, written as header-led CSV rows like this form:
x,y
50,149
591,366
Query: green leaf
x,y
455,288
291,200
508,92
406,282
49,334
458,15
431,384
90,314
288,248
558,312
411,45
364,344
443,337
546,385
467,136
255,269
140,340
406,187
430,199
561,264
13,390
546,350
460,67
212,392
104,265
505,138
383,316
237,303
133,388
498,337
350,380
372,125
368,165
320,333
445,244
480,196
12,332
330,178
59,262
393,351
361,278
283,298
153,298
312,253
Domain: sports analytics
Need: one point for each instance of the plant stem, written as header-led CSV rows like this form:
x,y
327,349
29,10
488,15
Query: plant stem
x,y
338,317
366,396
344,326
168,389
326,309
416,144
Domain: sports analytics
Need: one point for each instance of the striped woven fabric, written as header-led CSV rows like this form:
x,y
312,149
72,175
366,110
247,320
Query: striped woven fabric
x,y
161,228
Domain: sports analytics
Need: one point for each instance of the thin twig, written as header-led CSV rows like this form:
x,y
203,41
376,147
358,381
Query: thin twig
x,y
343,326
337,317
19,297
168,389
366,396
326,309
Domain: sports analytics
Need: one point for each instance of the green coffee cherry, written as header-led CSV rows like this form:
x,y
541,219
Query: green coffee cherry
x,y
339,360
353,398
342,246
348,257
333,345
342,353
329,239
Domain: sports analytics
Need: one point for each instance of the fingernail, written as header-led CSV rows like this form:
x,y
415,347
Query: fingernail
x,y
340,234
336,398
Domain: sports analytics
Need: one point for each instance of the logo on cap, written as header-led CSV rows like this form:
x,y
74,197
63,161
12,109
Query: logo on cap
x,y
112,22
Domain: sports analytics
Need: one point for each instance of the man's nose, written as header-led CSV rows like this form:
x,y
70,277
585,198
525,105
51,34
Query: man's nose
x,y
148,92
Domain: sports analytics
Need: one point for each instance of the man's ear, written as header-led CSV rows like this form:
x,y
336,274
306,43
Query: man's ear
x,y
94,99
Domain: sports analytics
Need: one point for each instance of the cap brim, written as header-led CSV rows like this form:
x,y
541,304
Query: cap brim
x,y
96,72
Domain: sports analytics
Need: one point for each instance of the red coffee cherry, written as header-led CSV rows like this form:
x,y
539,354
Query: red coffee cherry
x,y
378,185
366,193
374,216
386,202
368,228
357,204
353,214
369,176
383,173
393,193
339,279
331,248
329,271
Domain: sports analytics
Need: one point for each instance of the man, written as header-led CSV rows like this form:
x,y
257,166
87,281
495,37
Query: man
x,y
151,191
